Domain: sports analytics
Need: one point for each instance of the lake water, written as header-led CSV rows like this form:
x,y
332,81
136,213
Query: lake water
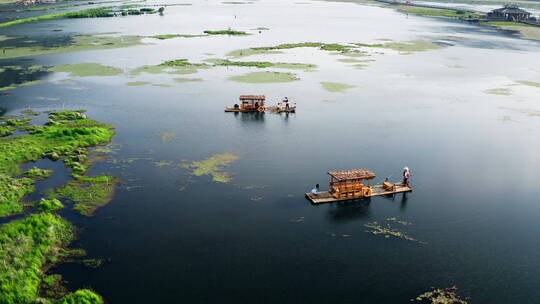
x,y
173,237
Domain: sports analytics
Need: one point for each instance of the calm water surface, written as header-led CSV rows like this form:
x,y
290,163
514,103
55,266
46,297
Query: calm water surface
x,y
173,238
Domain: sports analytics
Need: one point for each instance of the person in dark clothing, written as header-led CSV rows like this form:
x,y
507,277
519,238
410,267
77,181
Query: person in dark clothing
x,y
286,101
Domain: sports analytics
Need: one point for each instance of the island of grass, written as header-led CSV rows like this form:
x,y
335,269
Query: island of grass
x,y
261,64
437,12
276,49
29,247
100,12
226,32
66,136
88,193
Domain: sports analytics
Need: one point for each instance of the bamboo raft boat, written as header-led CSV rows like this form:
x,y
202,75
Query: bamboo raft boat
x,y
350,185
256,103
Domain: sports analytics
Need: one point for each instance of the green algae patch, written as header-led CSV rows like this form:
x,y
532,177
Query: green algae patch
x,y
37,173
87,69
529,83
88,193
82,296
213,166
179,66
249,52
262,64
410,47
335,87
277,49
49,205
78,44
171,36
226,32
21,84
388,232
265,77
441,296
29,246
182,80
12,191
167,136
137,83
399,221
163,163
499,91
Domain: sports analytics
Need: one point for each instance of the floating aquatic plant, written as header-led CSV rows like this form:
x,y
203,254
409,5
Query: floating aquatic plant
x,y
397,220
213,166
441,296
387,232
499,91
265,77
37,173
49,205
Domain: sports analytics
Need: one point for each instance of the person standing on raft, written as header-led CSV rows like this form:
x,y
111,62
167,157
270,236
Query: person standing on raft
x,y
406,176
286,102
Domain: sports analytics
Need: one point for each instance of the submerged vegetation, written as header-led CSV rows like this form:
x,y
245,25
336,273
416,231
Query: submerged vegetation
x,y
499,91
78,44
213,166
261,64
179,66
336,86
265,77
87,69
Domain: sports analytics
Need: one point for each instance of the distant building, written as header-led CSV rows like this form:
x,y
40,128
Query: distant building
x,y
510,12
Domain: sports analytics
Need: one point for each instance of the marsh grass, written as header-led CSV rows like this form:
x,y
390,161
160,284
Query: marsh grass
x,y
49,205
28,245
37,173
88,193
226,32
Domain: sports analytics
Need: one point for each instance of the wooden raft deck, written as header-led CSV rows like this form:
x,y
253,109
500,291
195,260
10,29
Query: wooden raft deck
x,y
326,197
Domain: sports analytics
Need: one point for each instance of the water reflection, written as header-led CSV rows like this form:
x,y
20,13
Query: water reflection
x,y
348,211
255,117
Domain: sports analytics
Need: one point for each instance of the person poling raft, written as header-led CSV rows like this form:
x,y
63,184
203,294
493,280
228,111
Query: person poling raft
x,y
256,103
353,184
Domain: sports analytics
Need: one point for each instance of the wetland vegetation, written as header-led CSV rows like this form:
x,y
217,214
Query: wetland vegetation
x,y
213,166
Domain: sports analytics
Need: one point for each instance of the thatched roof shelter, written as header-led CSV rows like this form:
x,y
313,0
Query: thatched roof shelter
x,y
356,174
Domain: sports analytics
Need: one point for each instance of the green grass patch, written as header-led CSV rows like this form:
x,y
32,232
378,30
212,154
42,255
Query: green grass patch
x,y
178,66
37,173
87,69
27,246
261,64
49,205
183,80
276,49
81,296
213,166
265,77
88,193
12,191
226,32
66,136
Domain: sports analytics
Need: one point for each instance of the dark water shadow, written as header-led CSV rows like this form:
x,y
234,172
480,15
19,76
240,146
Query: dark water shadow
x,y
348,211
